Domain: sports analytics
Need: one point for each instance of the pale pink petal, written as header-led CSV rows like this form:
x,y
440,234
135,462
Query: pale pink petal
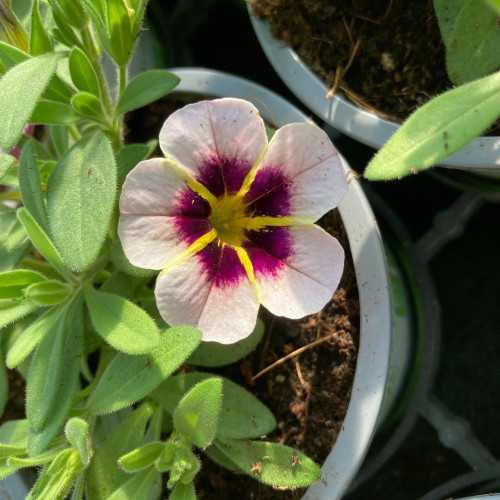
x,y
152,241
211,292
301,174
154,187
216,141
297,268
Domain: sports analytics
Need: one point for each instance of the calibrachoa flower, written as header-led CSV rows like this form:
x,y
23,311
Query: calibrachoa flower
x,y
229,219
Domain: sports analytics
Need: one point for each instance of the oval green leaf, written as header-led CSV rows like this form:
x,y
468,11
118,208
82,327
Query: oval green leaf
x,y
271,463
146,88
20,89
13,283
122,324
141,457
242,415
128,379
80,198
198,411
49,112
438,129
88,105
82,72
32,335
31,185
47,293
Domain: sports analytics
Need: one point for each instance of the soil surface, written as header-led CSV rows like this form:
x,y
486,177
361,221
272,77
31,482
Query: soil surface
x,y
308,394
386,56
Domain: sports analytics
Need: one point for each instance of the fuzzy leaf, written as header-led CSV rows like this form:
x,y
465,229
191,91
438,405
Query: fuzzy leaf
x,y
104,475
271,463
438,129
472,51
121,323
31,186
20,89
141,457
242,414
15,433
4,384
82,72
198,411
120,34
140,486
10,55
13,283
50,112
6,162
128,379
88,105
80,198
76,431
215,354
13,309
41,241
47,293
146,88
183,492
39,40
33,334
54,368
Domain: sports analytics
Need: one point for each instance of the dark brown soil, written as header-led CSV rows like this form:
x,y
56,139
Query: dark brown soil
x,y
387,56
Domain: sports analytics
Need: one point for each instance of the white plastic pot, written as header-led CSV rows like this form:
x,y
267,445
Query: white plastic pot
x,y
362,125
371,383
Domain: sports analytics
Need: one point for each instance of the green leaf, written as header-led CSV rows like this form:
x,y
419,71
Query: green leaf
x,y
146,88
54,368
6,162
39,40
54,113
121,42
141,486
20,89
33,334
141,457
10,260
242,414
13,283
47,293
119,284
215,354
15,433
446,14
183,492
96,11
41,241
198,411
104,475
16,237
128,379
77,433
71,11
129,156
438,129
31,186
122,324
271,463
82,72
80,198
10,55
88,105
472,51
13,309
60,139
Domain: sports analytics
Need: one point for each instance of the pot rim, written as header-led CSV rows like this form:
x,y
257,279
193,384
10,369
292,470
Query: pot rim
x,y
372,367
341,113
